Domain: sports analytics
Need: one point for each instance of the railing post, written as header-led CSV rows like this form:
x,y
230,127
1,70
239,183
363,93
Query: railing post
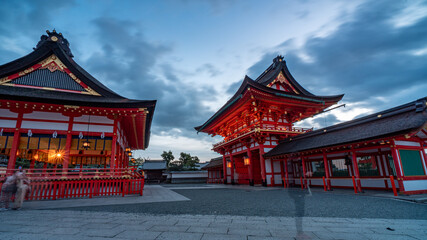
x,y
302,184
54,190
324,184
393,185
90,187
354,185
141,184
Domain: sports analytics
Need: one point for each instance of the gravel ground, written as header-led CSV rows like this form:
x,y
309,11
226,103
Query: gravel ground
x,y
275,202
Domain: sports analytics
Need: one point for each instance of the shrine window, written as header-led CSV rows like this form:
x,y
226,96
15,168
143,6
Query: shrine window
x,y
339,168
367,166
318,169
96,143
41,148
6,140
392,168
411,162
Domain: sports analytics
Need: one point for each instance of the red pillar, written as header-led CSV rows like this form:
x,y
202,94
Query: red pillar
x,y
67,146
356,171
286,173
282,173
232,168
397,162
15,144
262,161
224,168
326,165
113,145
250,167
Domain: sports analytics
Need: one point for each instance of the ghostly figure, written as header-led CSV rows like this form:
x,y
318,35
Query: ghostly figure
x,y
23,185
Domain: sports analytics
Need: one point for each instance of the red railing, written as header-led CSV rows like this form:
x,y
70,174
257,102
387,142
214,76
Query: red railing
x,y
215,180
248,130
54,184
74,173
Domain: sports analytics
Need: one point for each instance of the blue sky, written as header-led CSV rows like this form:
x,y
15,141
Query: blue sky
x,y
192,55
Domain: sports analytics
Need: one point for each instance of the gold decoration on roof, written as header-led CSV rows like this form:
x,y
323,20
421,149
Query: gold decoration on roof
x,y
53,64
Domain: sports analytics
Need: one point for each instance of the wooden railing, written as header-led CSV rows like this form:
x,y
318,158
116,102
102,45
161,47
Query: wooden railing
x,y
254,129
51,184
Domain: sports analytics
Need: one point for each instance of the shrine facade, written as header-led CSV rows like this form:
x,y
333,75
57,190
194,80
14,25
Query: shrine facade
x,y
385,150
260,114
61,124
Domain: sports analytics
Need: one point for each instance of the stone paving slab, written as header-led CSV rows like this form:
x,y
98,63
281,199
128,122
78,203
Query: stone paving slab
x,y
152,193
50,224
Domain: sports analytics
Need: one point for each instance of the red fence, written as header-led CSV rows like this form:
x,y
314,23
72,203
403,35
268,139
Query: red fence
x,y
55,184
61,189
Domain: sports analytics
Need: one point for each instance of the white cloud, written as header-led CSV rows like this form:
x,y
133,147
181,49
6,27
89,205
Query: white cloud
x,y
410,15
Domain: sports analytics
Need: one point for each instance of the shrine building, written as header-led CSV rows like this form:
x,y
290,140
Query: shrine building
x,y
261,112
385,150
56,119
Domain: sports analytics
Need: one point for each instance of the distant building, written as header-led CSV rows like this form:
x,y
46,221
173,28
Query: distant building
x,y
154,169
215,170
199,166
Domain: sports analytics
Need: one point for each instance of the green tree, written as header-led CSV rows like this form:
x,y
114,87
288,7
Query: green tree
x,y
188,161
168,156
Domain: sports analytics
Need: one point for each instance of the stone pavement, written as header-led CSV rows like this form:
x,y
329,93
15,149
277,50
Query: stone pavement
x,y
52,224
152,193
37,220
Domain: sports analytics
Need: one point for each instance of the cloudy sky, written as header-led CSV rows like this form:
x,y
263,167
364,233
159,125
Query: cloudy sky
x,y
191,55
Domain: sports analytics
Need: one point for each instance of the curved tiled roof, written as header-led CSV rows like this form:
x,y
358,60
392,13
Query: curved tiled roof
x,y
395,121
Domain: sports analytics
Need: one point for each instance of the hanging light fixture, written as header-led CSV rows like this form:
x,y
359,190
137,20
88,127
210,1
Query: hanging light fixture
x,y
127,149
246,160
86,144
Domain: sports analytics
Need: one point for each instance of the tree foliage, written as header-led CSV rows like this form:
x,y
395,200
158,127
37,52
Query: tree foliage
x,y
168,157
185,162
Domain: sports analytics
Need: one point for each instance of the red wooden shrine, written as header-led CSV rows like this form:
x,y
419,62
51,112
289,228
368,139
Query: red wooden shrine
x,y
72,134
385,150
261,113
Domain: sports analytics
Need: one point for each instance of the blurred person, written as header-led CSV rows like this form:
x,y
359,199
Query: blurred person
x,y
23,187
7,190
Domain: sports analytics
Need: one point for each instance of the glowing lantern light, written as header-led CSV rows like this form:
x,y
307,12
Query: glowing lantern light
x,y
229,164
246,161
86,144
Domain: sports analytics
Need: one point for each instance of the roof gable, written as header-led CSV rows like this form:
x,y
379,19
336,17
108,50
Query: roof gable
x,y
279,72
54,44
49,74
281,83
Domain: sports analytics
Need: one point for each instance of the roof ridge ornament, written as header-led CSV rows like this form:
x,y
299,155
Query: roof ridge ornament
x,y
277,60
55,37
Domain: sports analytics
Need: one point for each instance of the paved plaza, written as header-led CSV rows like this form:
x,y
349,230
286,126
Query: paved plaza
x,y
220,212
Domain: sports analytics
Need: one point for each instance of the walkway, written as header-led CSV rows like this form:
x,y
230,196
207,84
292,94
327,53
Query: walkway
x,y
216,212
51,224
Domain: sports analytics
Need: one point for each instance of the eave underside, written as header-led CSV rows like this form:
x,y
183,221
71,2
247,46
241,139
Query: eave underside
x,y
136,117
266,93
